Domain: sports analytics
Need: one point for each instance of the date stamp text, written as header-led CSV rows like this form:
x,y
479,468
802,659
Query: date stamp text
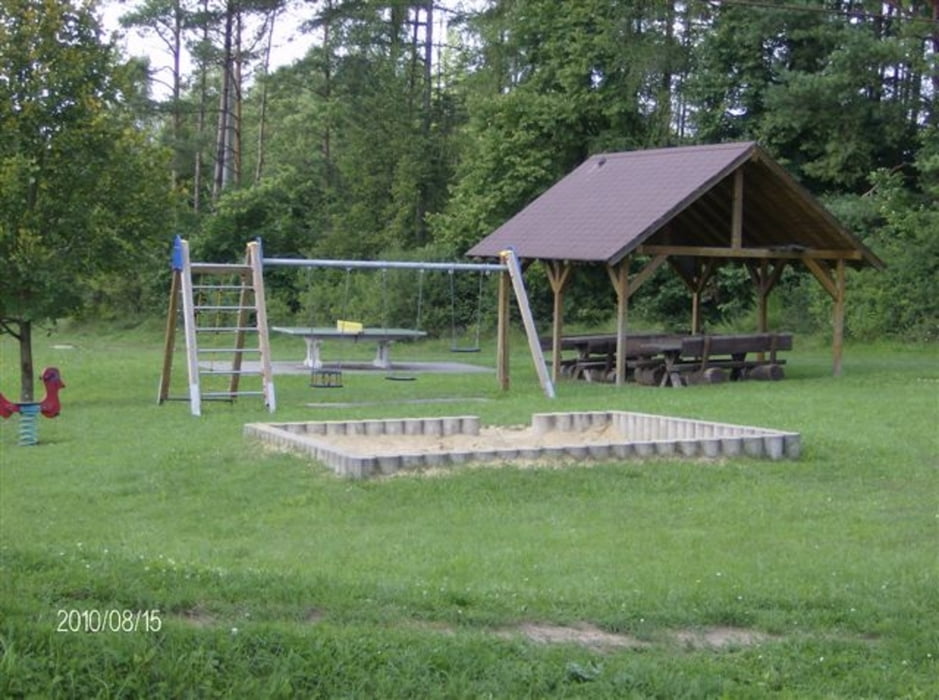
x,y
94,620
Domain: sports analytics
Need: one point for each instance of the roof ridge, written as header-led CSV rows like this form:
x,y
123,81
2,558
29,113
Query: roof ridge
x,y
727,145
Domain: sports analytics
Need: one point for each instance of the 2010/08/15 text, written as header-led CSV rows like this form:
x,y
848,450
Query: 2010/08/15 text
x,y
94,620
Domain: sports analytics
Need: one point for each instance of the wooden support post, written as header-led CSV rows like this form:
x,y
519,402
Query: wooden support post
x,y
558,275
835,285
502,333
838,318
244,300
189,328
619,276
169,338
255,259
765,280
762,311
762,318
695,273
736,226
695,311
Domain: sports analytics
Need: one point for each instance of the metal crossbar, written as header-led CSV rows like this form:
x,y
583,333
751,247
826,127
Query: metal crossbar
x,y
385,264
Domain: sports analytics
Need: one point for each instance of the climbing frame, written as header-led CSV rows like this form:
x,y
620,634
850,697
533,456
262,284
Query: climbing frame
x,y
222,306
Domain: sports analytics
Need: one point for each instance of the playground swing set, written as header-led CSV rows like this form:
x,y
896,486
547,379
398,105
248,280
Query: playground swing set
x,y
223,306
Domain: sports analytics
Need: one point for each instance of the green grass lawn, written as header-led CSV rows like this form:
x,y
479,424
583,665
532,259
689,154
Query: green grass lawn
x,y
263,575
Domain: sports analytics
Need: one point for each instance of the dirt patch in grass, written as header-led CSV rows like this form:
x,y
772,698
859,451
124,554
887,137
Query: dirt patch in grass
x,y
719,638
582,633
313,616
197,617
592,637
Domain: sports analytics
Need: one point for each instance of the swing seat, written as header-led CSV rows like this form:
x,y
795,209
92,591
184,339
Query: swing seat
x,y
455,348
326,378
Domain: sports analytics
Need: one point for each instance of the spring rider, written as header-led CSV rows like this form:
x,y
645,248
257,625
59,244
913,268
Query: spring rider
x,y
29,411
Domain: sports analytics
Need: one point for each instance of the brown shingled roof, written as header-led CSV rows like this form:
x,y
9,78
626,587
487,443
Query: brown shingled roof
x,y
614,202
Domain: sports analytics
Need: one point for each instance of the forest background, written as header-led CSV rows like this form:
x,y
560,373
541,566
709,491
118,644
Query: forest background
x,y
389,139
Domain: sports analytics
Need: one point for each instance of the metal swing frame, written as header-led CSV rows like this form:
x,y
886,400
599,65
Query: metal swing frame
x,y
510,269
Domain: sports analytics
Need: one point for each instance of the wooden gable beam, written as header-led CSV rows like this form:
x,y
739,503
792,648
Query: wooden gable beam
x,y
644,274
695,278
823,275
743,253
764,279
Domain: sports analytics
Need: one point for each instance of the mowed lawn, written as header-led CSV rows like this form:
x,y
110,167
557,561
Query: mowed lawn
x,y
217,568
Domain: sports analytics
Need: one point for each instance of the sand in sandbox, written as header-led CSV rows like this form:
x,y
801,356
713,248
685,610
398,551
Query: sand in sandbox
x,y
489,438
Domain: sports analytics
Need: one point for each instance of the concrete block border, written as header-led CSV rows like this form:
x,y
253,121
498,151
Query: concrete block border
x,y
629,435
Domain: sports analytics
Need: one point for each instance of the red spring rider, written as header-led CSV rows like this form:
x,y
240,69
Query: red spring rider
x,y
50,406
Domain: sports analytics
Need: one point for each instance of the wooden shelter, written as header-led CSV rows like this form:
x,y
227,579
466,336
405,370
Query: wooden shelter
x,y
694,207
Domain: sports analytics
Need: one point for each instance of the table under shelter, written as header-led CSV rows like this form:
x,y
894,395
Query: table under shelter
x,y
382,337
694,208
673,359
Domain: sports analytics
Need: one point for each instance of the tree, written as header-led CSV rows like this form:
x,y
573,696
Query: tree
x,y
902,224
553,83
166,19
82,191
236,51
834,90
359,137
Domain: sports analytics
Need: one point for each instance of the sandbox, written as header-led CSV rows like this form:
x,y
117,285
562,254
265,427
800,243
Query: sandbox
x,y
363,448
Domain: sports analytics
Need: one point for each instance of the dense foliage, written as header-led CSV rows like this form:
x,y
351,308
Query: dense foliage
x,y
394,134
83,193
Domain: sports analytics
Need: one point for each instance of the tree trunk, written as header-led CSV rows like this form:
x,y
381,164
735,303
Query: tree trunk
x,y
327,96
26,361
200,123
262,118
933,119
426,120
223,140
177,50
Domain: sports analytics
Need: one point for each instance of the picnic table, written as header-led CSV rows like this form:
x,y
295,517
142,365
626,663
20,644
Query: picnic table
x,y
691,357
596,352
670,359
383,337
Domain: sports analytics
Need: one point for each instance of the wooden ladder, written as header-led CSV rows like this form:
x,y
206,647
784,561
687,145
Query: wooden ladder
x,y
221,305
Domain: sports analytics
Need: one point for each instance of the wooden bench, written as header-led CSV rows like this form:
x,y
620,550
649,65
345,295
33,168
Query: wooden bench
x,y
596,353
701,357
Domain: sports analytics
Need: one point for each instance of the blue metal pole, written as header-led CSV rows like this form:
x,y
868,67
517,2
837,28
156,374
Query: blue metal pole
x,y
176,259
